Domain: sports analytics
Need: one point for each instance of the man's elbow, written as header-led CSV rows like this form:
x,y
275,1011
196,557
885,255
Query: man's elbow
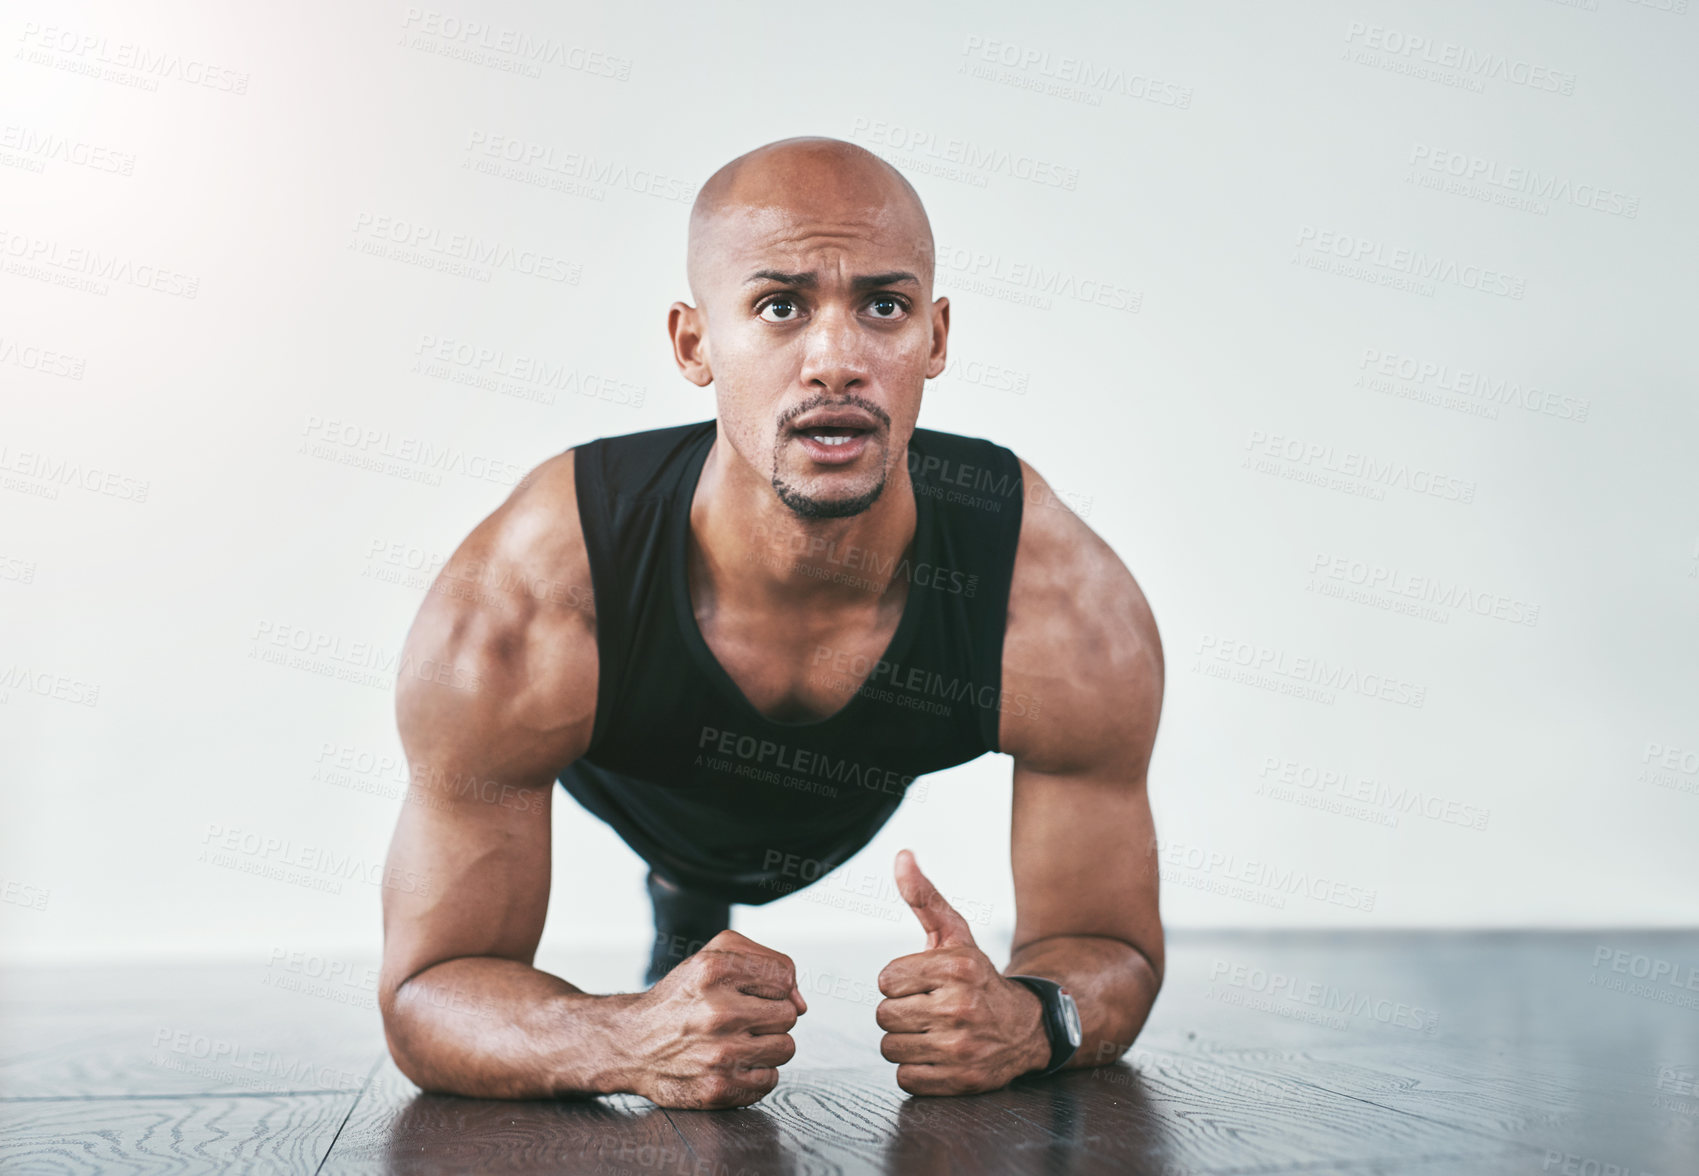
x,y
1154,957
402,1027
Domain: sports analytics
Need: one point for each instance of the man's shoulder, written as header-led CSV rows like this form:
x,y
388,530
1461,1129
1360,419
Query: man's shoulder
x,y
513,612
1080,637
537,534
529,544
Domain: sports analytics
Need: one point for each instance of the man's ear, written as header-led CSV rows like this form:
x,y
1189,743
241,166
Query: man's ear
x,y
687,326
940,337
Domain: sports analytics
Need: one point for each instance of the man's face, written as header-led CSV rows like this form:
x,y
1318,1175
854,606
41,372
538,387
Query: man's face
x,y
820,335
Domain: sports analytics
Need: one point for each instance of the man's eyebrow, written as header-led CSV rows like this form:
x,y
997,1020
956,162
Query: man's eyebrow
x,y
808,281
894,278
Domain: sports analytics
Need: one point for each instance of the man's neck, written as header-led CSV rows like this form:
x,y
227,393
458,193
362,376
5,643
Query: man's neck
x,y
754,548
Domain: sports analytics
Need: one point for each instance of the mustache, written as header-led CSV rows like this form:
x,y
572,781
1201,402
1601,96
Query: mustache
x,y
822,401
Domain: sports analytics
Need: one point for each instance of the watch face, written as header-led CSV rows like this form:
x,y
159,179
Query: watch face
x,y
1071,1018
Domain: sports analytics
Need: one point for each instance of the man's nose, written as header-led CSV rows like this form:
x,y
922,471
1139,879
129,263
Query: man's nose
x,y
835,351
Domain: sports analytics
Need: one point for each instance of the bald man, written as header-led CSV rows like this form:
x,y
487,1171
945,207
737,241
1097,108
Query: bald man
x,y
738,643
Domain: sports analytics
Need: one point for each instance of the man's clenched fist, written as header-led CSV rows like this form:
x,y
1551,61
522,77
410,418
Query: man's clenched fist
x,y
714,1030
953,1024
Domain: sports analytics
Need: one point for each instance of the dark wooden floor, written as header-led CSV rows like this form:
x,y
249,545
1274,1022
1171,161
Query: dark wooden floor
x,y
1311,1053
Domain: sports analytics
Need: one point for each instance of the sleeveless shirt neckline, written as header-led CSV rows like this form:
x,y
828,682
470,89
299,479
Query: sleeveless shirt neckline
x,y
895,649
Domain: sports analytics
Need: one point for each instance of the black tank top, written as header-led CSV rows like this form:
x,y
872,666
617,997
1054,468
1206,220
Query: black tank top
x,y
715,796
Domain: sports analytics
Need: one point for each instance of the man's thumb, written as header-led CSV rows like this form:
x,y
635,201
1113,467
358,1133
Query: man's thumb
x,y
944,926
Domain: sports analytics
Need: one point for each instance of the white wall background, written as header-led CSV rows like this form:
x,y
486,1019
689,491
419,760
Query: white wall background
x,y
190,316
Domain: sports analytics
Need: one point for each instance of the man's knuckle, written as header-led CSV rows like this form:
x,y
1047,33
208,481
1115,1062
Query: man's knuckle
x,y
720,1057
913,1079
759,966
716,965
718,1090
960,967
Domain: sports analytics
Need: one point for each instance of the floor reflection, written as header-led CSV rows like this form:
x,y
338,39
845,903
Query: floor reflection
x,y
440,1133
1045,1126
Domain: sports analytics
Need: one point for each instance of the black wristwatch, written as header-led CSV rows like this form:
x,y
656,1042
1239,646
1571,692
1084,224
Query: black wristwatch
x,y
1061,1020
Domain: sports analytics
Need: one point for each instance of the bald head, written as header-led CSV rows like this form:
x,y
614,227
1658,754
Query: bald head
x,y
811,262
809,180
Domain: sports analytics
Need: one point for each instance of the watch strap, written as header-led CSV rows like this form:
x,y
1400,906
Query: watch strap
x,y
1049,994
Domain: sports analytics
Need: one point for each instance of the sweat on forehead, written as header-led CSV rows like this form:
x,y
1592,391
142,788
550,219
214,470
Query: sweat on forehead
x,y
791,184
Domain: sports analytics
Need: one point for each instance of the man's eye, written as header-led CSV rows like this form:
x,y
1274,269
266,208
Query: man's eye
x,y
895,304
784,310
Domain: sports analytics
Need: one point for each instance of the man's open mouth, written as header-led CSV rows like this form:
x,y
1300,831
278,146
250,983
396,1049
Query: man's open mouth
x,y
833,434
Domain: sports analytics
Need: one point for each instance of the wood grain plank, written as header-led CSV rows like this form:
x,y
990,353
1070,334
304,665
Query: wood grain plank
x,y
114,1137
1531,1066
1546,1102
397,1128
193,1029
192,1052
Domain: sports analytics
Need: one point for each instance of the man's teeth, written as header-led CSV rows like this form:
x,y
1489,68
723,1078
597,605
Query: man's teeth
x,y
825,440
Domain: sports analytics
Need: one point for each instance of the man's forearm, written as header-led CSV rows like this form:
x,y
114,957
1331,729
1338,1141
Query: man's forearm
x,y
1111,982
486,1027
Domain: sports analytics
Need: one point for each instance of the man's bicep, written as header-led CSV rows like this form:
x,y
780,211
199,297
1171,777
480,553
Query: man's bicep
x,y
1081,857
1083,840
483,880
1082,640
484,746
